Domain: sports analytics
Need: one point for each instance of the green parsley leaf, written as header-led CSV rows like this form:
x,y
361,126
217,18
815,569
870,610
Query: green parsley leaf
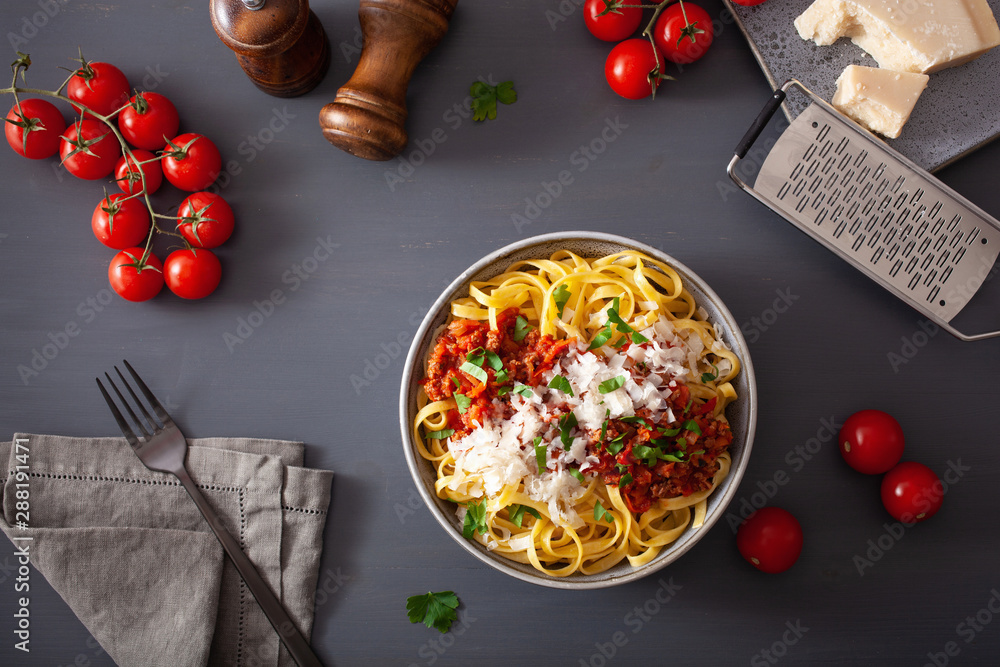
x,y
602,337
566,424
632,419
476,356
604,426
475,519
540,452
561,296
474,371
485,98
562,384
691,425
454,381
615,446
611,385
516,513
523,390
646,454
521,328
493,359
441,435
463,402
504,390
669,432
638,338
579,475
708,377
601,513
435,610
502,376
625,480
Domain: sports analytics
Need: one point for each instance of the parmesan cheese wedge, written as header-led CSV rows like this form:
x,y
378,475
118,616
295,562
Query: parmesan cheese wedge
x,y
878,99
905,35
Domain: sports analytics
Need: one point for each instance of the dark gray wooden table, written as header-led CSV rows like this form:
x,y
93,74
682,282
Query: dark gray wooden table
x,y
360,249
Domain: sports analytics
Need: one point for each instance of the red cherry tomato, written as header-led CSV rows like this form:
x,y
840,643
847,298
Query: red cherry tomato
x,y
770,539
101,87
134,277
871,441
616,25
630,67
912,492
191,162
192,274
120,222
205,220
683,33
89,150
33,128
131,173
148,121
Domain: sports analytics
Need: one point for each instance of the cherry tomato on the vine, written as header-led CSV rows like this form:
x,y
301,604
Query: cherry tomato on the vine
x,y
633,68
770,539
191,162
871,441
912,492
148,121
89,149
136,277
683,33
120,222
131,173
192,274
101,87
617,24
33,128
205,220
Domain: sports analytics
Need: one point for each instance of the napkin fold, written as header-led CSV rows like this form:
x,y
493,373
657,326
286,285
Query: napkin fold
x,y
131,555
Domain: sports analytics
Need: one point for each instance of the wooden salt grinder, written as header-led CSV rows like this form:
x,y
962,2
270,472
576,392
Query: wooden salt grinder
x,y
367,117
279,43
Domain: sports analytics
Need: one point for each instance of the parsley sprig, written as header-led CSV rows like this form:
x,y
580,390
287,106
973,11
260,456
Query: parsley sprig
x,y
435,610
485,98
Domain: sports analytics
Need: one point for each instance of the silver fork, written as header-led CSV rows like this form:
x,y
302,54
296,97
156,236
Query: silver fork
x,y
163,448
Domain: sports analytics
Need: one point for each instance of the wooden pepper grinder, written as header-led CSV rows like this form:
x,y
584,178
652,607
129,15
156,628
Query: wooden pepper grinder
x,y
279,43
367,117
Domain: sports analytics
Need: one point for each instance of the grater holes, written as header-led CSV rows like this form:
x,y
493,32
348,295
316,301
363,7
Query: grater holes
x,y
799,187
882,185
818,201
855,226
816,183
863,174
959,254
887,219
900,201
872,221
796,170
895,268
878,254
812,168
892,251
855,205
946,274
933,294
974,234
956,239
874,238
862,156
929,278
848,175
954,223
898,184
836,213
924,245
844,143
785,187
910,265
821,217
866,189
914,281
935,210
922,228
801,206
825,130
840,229
828,165
827,147
810,151
908,248
886,200
943,258
879,170
845,159
937,226
858,241
940,243
924,265
916,196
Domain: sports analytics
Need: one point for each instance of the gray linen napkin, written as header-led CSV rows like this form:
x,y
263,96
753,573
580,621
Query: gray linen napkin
x,y
133,558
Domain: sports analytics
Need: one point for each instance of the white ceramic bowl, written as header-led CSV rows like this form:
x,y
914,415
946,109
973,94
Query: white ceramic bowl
x,y
742,413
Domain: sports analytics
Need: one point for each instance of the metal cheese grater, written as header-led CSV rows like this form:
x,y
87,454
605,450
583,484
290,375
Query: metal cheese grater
x,y
875,208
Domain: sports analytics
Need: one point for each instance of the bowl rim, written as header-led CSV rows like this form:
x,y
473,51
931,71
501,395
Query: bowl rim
x,y
573,582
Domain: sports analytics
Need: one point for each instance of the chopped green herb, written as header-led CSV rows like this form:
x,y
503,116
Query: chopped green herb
x,y
562,384
579,475
475,519
523,390
474,371
435,610
669,432
454,381
621,467
561,296
708,377
463,402
616,445
516,513
638,338
504,390
493,359
622,326
611,385
646,454
485,98
521,328
566,424
691,425
602,337
601,513
632,419
502,376
540,455
476,356
441,435
625,480
604,427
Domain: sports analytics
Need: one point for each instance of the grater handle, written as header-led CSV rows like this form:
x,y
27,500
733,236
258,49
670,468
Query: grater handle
x,y
758,125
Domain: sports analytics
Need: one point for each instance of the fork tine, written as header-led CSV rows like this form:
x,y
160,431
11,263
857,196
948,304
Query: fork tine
x,y
157,407
128,408
122,424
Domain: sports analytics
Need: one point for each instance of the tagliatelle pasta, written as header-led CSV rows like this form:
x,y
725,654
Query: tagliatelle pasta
x,y
574,410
